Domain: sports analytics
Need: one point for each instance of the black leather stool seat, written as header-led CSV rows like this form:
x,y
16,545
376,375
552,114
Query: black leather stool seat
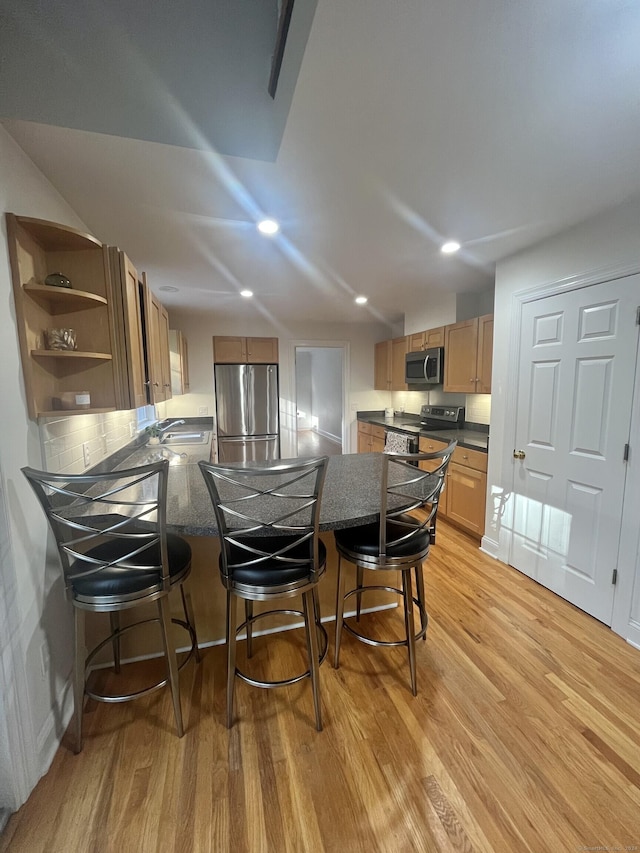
x,y
365,540
123,581
270,571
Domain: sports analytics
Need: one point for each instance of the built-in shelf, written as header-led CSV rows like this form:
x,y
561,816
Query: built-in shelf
x,y
62,300
59,353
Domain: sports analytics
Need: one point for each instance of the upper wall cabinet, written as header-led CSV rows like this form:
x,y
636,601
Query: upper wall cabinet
x,y
468,356
78,355
129,354
389,365
426,340
179,362
233,350
156,337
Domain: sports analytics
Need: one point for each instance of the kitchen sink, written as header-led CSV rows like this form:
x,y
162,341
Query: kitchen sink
x,y
194,437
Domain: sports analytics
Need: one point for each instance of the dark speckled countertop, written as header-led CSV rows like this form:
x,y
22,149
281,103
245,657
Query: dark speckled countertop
x,y
473,436
351,491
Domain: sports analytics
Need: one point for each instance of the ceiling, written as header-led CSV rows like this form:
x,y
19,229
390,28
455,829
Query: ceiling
x,y
395,125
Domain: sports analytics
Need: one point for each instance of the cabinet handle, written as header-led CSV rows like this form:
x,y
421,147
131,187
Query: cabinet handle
x,y
464,457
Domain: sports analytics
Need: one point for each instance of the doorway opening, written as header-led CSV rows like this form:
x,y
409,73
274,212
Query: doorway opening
x,y
319,387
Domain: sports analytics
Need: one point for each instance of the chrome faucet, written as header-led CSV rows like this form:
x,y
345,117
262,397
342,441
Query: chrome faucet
x,y
168,426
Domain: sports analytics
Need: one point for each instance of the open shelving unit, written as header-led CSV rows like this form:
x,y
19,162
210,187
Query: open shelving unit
x,y
36,249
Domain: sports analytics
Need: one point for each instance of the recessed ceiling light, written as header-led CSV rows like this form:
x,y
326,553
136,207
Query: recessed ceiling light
x,y
268,226
361,300
168,288
246,293
450,247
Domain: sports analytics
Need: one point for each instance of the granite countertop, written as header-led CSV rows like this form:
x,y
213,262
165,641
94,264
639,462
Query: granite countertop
x,y
351,493
473,436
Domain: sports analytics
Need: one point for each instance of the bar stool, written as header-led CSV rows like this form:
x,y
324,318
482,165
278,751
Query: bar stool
x,y
267,517
400,540
110,530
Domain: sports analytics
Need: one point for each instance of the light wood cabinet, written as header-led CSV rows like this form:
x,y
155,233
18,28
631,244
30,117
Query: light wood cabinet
x,y
398,364
382,366
156,333
179,362
127,324
36,249
389,365
468,356
466,486
426,340
237,350
370,438
432,445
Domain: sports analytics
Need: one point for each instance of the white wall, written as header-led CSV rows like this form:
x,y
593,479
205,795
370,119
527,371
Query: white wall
x,y
200,327
35,635
607,241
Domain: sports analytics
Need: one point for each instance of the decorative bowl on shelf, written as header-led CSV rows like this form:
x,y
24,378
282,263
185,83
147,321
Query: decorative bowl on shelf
x,y
57,279
60,339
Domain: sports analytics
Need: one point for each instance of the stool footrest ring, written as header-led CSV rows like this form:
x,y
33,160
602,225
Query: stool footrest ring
x,y
294,679
424,616
127,697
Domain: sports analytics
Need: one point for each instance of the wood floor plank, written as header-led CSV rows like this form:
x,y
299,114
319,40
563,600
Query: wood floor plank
x,y
524,736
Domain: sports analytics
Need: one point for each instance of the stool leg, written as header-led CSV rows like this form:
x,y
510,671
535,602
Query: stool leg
x,y
359,585
248,615
170,657
312,648
339,612
420,596
409,626
114,620
232,602
78,677
188,614
316,613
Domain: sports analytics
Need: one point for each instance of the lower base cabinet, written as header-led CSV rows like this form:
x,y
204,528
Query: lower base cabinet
x,y
464,496
370,438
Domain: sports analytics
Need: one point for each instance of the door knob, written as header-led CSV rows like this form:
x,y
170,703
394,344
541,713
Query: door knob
x,y
519,454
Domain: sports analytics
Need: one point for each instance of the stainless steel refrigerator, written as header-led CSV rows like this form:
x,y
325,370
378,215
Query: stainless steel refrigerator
x,y
247,412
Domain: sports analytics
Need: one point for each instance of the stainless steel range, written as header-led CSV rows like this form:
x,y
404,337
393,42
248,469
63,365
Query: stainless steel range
x,y
441,417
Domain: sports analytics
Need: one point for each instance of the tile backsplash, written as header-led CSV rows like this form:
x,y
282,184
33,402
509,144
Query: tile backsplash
x,y
75,443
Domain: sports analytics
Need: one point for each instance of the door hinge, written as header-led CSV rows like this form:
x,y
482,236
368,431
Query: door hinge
x,y
625,455
614,577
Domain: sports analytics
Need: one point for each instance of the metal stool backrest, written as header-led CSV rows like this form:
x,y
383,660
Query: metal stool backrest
x,y
268,501
89,511
405,488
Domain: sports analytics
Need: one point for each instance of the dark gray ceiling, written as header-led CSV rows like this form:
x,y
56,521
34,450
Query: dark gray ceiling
x,y
192,73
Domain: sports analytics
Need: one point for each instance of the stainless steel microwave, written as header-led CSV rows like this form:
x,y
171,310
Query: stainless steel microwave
x,y
424,368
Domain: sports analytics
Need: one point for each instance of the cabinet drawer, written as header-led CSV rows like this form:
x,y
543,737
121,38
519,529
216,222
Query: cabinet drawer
x,y
431,445
471,458
377,431
364,428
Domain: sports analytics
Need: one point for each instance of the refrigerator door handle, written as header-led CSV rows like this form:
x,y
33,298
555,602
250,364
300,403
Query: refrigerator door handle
x,y
247,439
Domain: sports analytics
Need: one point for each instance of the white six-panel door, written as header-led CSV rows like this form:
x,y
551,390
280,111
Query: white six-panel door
x,y
575,386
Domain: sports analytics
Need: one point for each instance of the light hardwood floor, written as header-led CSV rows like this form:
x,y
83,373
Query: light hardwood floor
x,y
311,443
525,736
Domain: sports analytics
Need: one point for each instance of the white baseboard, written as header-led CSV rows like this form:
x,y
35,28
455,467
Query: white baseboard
x,y
490,547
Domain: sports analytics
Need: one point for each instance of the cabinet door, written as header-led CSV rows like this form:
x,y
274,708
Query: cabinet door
x,y
229,350
262,350
184,363
460,357
398,364
377,439
152,326
165,361
466,497
133,332
485,353
416,342
434,337
364,437
431,445
382,366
